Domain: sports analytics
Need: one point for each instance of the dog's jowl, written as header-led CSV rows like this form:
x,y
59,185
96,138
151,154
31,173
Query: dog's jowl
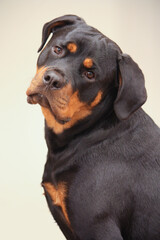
x,y
102,174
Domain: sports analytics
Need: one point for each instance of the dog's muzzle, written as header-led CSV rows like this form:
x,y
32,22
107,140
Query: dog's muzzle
x,y
44,81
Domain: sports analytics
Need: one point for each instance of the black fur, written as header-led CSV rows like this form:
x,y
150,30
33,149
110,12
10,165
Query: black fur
x,y
111,159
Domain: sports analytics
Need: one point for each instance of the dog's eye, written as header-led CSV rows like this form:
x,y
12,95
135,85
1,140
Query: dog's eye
x,y
58,50
89,74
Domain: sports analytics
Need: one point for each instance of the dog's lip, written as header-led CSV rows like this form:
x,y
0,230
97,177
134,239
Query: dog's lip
x,y
34,98
43,101
38,98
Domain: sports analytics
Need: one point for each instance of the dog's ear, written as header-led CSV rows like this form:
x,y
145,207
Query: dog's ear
x,y
131,93
57,23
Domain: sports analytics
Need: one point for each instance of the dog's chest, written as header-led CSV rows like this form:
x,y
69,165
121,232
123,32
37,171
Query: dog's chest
x,y
58,195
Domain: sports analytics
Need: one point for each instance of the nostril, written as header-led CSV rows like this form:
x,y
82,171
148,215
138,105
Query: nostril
x,y
53,79
47,78
56,84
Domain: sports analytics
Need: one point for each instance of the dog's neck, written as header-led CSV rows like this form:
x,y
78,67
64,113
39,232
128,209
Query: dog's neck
x,y
63,150
57,143
102,117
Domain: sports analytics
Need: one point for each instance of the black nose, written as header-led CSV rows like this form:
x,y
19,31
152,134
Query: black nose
x,y
54,79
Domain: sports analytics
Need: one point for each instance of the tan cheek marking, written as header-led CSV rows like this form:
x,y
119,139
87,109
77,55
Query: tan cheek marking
x,y
51,121
76,110
58,196
37,82
88,62
72,47
97,99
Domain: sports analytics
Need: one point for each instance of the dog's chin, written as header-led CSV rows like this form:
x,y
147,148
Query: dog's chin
x,y
43,102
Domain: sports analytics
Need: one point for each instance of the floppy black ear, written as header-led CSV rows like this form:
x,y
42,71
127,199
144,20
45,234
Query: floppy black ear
x,y
132,93
57,23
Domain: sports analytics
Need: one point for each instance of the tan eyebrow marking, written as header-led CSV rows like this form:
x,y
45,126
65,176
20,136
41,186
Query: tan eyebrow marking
x,y
88,62
72,47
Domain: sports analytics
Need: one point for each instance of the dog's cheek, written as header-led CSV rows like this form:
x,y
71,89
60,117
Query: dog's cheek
x,y
76,111
89,91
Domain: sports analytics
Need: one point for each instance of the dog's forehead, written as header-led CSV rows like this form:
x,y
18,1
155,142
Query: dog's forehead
x,y
80,34
88,43
85,31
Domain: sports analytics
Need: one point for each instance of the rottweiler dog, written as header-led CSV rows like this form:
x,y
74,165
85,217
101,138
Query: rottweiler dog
x,y
102,174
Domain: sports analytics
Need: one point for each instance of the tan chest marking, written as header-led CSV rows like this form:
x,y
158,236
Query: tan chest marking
x,y
58,196
76,110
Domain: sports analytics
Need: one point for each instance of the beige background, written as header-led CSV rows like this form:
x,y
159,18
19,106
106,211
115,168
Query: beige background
x,y
134,25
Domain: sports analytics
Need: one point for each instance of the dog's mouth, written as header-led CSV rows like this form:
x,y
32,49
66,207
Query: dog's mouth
x,y
38,98
55,99
44,102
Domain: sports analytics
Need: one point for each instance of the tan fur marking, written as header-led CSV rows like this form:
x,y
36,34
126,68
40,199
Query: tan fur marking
x,y
97,99
72,47
75,110
51,121
58,196
37,82
88,62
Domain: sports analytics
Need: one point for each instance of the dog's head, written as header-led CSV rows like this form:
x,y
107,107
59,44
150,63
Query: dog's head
x,y
79,70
